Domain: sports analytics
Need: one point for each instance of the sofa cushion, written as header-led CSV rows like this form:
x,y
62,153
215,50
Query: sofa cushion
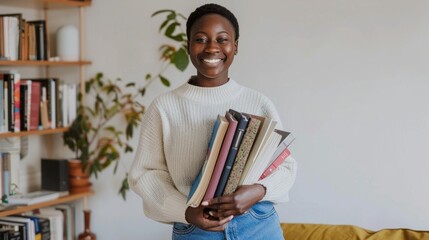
x,y
298,231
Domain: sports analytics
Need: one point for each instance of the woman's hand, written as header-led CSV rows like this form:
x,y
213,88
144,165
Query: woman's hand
x,y
199,217
236,203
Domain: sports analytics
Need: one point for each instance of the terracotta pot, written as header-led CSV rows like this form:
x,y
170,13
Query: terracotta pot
x,y
76,181
75,169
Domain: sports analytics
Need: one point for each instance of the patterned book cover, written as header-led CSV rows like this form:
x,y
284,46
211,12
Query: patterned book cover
x,y
243,153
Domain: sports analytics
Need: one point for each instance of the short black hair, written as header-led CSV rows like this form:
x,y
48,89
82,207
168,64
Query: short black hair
x,y
211,8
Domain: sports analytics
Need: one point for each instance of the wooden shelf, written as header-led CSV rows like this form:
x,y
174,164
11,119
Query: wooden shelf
x,y
44,63
35,132
48,4
65,199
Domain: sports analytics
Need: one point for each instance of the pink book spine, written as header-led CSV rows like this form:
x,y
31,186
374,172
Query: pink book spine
x,y
279,160
220,163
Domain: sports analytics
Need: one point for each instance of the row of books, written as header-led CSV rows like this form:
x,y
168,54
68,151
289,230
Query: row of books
x,y
55,223
243,149
21,39
36,103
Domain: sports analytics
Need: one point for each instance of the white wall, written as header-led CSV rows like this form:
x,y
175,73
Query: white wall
x,y
349,79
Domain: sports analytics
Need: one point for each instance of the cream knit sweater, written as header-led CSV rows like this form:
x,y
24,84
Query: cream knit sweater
x,y
175,133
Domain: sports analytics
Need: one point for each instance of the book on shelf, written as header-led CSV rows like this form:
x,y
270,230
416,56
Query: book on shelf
x,y
199,187
56,220
220,163
10,36
16,230
33,197
29,230
68,211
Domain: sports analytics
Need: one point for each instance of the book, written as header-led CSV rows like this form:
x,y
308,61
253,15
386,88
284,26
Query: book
x,y
238,137
199,187
267,127
29,232
243,152
282,152
220,163
33,197
56,219
17,229
262,159
68,211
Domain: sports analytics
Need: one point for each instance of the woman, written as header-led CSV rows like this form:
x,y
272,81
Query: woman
x,y
175,134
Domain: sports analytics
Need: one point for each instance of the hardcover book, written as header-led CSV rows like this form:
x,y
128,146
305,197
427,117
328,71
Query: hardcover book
x,y
33,197
238,137
199,187
267,127
243,153
220,163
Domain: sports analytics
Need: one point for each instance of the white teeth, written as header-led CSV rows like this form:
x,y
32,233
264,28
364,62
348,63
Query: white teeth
x,y
212,60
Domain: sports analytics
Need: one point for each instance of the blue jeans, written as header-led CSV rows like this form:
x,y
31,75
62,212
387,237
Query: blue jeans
x,y
260,222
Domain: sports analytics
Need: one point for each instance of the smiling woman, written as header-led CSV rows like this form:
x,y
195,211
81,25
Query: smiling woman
x,y
175,134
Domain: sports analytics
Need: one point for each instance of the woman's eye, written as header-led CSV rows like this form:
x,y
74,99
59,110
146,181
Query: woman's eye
x,y
200,40
222,40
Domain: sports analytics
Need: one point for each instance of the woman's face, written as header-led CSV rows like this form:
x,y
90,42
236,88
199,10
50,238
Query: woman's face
x,y
212,47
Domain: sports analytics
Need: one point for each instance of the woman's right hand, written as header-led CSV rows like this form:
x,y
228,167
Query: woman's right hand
x,y
200,218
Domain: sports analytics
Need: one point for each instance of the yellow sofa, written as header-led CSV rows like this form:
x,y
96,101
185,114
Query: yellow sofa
x,y
297,231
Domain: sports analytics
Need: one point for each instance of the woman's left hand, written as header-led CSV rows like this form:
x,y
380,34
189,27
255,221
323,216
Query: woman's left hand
x,y
236,203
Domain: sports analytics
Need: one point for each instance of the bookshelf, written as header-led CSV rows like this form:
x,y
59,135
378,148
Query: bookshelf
x,y
43,7
43,63
21,209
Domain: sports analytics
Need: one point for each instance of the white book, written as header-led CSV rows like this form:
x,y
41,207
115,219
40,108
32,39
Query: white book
x,y
56,219
267,127
33,197
53,104
72,101
263,158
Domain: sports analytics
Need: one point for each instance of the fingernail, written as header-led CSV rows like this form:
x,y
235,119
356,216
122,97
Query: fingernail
x,y
230,218
211,213
205,203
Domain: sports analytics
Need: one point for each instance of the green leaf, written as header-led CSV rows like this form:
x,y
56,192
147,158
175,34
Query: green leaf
x,y
164,24
128,148
142,91
148,76
131,84
124,188
161,11
170,29
181,60
164,81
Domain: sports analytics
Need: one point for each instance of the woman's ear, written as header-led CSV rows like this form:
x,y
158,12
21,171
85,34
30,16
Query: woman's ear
x,y
236,47
187,47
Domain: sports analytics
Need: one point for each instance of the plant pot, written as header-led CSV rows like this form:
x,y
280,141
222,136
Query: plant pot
x,y
76,169
78,179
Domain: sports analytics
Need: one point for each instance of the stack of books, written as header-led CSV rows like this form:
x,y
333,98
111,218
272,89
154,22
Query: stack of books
x,y
243,149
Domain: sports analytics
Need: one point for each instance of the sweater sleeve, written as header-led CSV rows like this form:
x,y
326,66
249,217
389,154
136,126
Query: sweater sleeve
x,y
279,183
149,176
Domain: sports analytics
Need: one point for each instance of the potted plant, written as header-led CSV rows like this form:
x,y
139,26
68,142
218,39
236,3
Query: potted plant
x,y
95,136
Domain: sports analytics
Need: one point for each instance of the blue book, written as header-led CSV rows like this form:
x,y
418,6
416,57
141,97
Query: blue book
x,y
238,137
198,178
199,187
